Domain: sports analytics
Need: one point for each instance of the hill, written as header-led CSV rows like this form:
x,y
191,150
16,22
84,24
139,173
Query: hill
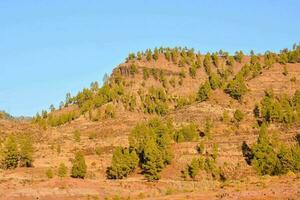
x,y
167,124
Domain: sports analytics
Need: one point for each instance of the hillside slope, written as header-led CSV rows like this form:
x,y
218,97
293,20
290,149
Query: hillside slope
x,y
161,84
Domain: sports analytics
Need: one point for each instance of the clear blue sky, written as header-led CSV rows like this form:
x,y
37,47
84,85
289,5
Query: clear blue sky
x,y
49,48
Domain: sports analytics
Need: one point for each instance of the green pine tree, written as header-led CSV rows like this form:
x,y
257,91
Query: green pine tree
x,y
79,167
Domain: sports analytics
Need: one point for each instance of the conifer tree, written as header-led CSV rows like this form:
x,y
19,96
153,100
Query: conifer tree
x,y
124,162
26,152
10,153
79,167
204,91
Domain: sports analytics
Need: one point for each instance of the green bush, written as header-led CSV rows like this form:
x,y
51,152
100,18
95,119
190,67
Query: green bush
x,y
62,170
236,88
152,162
155,101
239,55
124,162
110,111
10,153
79,167
272,158
207,63
278,109
204,91
225,116
155,54
238,115
200,147
49,173
98,150
187,133
76,135
146,73
26,152
152,142
193,71
206,163
214,81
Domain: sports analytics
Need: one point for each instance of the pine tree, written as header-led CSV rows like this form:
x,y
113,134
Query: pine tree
x,y
79,167
236,88
238,115
62,170
26,152
124,162
204,92
155,54
214,81
152,161
10,153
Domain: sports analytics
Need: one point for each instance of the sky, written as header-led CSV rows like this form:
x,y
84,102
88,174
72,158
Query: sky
x,y
51,47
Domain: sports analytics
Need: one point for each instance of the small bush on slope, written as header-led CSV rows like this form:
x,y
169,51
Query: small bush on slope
x,y
79,167
204,92
238,115
62,170
236,88
26,152
10,153
187,133
124,161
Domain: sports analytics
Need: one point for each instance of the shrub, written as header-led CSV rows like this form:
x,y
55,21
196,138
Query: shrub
x,y
131,56
152,143
49,173
188,133
238,115
26,152
182,101
110,111
230,61
285,71
77,135
79,167
278,109
133,69
124,162
236,88
152,162
148,54
92,135
239,56
273,158
172,82
225,117
155,101
207,128
206,163
98,150
214,81
155,54
200,147
146,74
193,71
204,91
215,59
194,168
62,170
10,153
